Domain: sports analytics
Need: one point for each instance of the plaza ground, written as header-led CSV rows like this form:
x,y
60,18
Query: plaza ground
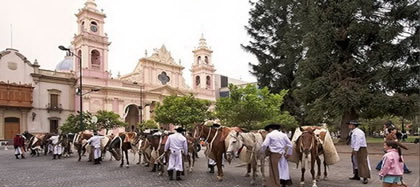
x,y
42,171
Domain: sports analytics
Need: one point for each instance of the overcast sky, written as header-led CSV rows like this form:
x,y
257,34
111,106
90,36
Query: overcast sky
x,y
37,27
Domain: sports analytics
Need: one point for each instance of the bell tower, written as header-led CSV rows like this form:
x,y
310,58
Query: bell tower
x,y
91,42
202,71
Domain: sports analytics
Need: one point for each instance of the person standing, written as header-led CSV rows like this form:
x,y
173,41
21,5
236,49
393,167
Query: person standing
x,y
392,168
57,148
19,145
176,146
359,156
95,142
280,148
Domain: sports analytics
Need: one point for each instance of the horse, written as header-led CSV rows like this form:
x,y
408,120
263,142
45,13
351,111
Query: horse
x,y
216,147
35,144
248,145
120,145
308,147
66,141
157,156
193,148
80,143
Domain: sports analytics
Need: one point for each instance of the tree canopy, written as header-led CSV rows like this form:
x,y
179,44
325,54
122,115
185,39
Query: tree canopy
x,y
338,59
105,119
185,111
250,107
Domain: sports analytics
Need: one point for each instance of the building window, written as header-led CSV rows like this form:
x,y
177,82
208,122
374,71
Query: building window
x,y
54,100
223,81
95,59
197,80
224,94
206,60
199,59
54,126
208,82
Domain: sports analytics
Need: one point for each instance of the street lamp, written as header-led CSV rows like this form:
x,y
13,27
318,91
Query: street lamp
x,y
141,107
80,81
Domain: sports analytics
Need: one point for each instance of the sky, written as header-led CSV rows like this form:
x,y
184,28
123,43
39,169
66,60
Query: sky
x,y
37,27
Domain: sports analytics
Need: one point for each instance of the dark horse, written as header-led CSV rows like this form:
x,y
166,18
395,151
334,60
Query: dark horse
x,y
216,147
308,147
157,155
80,143
120,145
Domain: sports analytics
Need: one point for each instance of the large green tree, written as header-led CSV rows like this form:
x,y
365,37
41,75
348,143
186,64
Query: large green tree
x,y
105,119
184,111
350,59
108,120
252,108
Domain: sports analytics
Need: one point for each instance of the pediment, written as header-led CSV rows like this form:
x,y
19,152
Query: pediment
x,y
167,90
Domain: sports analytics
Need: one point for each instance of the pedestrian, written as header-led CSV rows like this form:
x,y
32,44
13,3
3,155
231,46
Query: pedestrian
x,y
176,146
57,148
388,124
19,144
392,136
279,150
95,142
392,167
359,156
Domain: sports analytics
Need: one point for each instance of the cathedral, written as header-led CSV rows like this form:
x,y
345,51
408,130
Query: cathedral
x,y
39,100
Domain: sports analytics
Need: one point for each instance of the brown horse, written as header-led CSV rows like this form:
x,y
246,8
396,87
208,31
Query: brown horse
x,y
308,147
216,147
157,156
121,145
35,144
192,151
80,143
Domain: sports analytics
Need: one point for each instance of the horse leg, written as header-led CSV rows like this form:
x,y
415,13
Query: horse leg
x,y
313,170
325,170
318,162
254,171
248,170
262,169
126,156
303,165
219,159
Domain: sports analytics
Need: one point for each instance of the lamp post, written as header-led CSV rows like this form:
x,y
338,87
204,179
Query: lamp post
x,y
80,81
141,107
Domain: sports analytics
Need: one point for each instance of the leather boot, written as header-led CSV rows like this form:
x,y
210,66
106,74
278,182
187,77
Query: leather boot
x,y
178,175
54,156
171,174
59,156
211,169
154,168
365,181
17,156
356,175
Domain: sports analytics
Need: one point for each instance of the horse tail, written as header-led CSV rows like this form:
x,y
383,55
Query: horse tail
x,y
116,143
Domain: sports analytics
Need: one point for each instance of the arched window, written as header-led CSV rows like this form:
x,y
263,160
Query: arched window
x,y
199,59
208,82
93,26
197,80
206,60
95,59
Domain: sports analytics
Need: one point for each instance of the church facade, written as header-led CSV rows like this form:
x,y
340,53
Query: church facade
x,y
39,100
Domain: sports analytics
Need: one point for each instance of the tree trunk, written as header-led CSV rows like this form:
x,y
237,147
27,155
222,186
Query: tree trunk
x,y
344,129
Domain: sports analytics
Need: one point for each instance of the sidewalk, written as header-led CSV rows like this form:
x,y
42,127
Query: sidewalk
x,y
378,149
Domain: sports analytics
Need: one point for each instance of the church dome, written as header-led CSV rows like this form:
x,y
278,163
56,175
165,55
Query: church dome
x,y
65,65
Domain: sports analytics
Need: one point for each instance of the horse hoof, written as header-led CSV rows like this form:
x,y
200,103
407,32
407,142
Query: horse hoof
x,y
121,166
160,173
252,182
219,178
127,166
246,175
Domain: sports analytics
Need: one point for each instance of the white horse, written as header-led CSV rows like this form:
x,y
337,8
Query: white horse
x,y
248,146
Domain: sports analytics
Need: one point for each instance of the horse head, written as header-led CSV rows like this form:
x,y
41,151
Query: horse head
x,y
306,142
233,143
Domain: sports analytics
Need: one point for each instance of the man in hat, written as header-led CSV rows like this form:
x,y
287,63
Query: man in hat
x,y
95,142
19,145
57,147
280,148
176,145
359,156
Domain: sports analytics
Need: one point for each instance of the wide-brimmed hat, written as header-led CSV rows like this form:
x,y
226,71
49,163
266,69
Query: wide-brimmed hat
x,y
272,126
179,129
353,122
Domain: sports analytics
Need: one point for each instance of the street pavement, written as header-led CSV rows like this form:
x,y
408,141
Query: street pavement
x,y
43,171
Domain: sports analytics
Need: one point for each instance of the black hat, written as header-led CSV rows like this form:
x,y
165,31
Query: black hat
x,y
272,126
179,129
388,124
353,122
390,129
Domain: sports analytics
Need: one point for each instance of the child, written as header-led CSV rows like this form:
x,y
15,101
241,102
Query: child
x,y
392,167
